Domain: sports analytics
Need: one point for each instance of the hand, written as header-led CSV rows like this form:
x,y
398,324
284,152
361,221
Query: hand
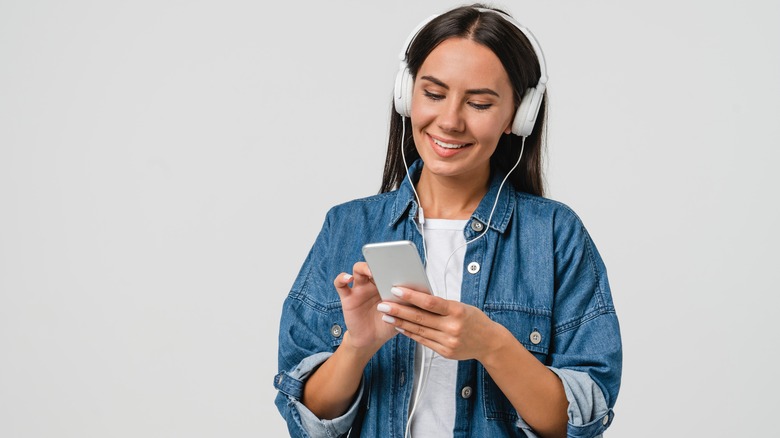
x,y
358,303
450,328
458,331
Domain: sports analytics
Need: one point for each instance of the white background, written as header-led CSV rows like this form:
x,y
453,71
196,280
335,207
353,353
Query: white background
x,y
166,165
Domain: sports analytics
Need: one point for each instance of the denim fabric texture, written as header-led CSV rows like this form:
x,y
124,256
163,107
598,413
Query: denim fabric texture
x,y
539,275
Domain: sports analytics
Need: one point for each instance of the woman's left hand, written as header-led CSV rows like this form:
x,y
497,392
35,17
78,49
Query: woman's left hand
x,y
458,331
450,328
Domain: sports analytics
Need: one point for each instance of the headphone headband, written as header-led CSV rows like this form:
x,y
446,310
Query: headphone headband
x,y
531,39
530,103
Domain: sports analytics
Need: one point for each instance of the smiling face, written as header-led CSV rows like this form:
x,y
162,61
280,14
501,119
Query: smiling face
x,y
461,104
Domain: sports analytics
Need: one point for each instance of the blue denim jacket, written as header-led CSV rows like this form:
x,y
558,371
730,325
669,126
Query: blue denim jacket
x,y
539,276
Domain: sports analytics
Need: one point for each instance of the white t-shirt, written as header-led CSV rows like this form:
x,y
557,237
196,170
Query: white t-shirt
x,y
435,414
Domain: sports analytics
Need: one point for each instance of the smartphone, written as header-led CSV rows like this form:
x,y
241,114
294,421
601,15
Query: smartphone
x,y
396,263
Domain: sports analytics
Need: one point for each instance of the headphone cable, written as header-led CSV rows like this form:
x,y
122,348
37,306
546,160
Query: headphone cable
x,y
427,361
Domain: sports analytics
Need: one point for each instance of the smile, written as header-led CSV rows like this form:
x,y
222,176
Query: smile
x,y
449,145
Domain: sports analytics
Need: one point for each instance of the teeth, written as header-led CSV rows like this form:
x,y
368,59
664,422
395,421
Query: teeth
x,y
448,145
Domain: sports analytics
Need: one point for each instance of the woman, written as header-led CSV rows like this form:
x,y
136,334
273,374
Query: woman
x,y
521,338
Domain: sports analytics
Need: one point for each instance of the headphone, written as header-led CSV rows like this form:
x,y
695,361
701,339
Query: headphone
x,y
525,116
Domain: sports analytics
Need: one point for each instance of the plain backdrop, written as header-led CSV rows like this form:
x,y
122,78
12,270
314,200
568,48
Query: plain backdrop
x,y
165,166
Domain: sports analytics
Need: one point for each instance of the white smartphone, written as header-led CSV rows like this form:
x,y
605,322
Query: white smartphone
x,y
396,263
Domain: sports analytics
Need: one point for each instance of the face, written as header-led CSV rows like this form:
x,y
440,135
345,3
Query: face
x,y
461,104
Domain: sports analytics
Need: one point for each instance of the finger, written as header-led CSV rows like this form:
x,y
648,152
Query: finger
x,y
362,273
427,342
341,282
412,319
423,300
361,268
438,341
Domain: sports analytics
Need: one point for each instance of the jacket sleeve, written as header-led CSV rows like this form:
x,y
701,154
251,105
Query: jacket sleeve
x,y
586,353
301,422
310,330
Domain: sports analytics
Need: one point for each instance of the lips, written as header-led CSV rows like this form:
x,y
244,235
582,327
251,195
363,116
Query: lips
x,y
446,148
448,145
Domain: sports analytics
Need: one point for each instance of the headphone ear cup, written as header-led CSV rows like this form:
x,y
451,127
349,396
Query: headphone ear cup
x,y
402,92
525,117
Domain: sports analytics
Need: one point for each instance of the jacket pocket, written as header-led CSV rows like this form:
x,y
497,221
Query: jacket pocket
x,y
533,329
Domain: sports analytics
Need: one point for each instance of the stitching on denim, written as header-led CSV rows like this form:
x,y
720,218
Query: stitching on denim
x,y
489,411
542,348
372,198
592,260
540,200
503,223
296,415
305,299
574,323
601,307
499,307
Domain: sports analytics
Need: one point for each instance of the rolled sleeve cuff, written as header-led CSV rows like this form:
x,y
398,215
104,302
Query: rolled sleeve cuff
x,y
589,415
291,384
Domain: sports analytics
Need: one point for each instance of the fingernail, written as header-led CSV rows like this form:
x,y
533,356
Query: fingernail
x,y
388,318
397,292
382,307
400,330
347,277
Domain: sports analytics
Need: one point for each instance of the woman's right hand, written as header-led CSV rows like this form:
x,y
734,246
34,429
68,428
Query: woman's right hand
x,y
331,389
358,303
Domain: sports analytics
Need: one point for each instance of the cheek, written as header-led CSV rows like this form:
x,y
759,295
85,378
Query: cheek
x,y
422,113
490,131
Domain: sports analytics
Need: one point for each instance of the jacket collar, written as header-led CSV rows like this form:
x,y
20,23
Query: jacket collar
x,y
406,204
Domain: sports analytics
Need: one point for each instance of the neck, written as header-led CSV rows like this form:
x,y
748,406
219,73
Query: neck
x,y
451,198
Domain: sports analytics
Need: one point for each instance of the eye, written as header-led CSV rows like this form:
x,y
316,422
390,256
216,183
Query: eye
x,y
480,106
432,96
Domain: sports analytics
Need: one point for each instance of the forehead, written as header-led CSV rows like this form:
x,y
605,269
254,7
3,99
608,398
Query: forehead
x,y
460,61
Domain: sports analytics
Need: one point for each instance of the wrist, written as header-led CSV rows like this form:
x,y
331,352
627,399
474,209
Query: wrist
x,y
498,341
360,355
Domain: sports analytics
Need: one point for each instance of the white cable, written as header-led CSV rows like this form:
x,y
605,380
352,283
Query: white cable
x,y
490,217
426,364
422,378
420,214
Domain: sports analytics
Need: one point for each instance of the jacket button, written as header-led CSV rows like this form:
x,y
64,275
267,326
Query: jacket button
x,y
535,337
473,267
477,225
335,330
605,420
466,392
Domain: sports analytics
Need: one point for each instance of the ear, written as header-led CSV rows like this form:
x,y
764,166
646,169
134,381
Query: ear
x,y
511,123
508,129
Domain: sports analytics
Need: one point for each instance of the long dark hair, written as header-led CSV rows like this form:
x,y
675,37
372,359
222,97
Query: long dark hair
x,y
522,66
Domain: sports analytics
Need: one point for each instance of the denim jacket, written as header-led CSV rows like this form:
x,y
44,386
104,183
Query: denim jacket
x,y
536,272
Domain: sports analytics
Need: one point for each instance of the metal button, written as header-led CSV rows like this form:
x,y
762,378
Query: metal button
x,y
473,267
536,337
605,420
466,392
335,330
477,225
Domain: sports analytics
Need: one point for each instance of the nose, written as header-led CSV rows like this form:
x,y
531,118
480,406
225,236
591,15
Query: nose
x,y
451,119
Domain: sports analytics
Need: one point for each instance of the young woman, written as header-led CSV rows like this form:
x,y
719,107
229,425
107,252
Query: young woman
x,y
521,337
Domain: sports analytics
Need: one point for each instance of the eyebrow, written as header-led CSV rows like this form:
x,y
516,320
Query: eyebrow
x,y
472,91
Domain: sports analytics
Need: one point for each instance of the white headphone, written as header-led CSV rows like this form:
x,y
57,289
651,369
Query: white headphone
x,y
525,117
